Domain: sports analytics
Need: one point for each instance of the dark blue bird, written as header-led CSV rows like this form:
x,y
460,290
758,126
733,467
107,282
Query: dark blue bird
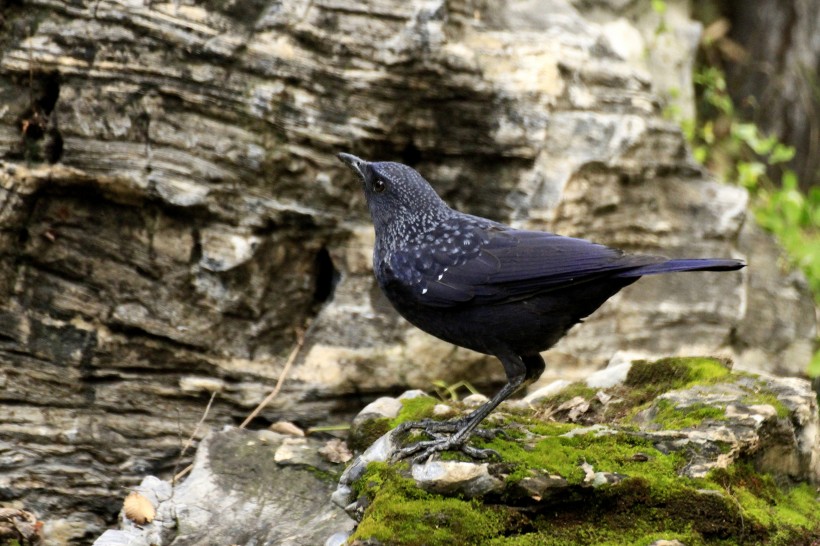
x,y
486,286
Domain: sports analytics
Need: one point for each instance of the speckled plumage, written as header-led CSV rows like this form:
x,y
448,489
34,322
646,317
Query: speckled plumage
x,y
487,286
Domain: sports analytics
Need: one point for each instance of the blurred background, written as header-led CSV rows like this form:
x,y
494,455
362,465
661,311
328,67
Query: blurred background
x,y
173,218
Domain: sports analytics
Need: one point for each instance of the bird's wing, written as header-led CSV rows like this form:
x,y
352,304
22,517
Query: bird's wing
x,y
506,265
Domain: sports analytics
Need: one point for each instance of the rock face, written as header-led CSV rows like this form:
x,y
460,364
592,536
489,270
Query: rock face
x,y
678,449
171,213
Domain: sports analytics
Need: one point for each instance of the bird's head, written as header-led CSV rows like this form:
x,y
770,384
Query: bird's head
x,y
396,193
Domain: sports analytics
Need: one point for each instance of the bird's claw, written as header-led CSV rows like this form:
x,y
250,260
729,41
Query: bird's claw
x,y
434,428
444,438
422,451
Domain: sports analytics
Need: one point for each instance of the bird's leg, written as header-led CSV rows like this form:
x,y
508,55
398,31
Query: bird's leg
x,y
462,429
518,373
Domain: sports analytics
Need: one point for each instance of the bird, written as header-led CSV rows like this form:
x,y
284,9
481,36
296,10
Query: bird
x,y
486,286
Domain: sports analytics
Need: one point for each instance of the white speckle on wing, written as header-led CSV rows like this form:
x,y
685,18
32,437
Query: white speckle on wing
x,y
424,291
440,276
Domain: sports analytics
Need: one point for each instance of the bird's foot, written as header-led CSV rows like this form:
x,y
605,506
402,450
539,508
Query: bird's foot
x,y
445,437
421,451
435,428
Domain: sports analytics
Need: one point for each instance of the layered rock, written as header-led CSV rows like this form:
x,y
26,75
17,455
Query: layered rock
x,y
172,216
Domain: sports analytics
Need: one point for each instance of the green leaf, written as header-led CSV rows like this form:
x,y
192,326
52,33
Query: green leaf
x,y
814,365
749,173
746,133
781,154
708,132
701,154
789,180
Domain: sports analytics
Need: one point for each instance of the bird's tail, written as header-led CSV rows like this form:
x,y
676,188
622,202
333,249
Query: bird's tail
x,y
674,266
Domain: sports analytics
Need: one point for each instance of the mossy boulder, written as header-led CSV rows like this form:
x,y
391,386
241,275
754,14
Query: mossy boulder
x,y
679,449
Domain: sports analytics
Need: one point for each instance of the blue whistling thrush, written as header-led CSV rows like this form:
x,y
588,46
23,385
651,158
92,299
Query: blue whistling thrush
x,y
486,286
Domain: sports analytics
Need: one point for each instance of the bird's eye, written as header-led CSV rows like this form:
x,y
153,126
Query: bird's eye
x,y
379,185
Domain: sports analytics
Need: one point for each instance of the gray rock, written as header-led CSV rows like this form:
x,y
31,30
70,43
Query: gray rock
x,y
752,428
297,451
114,537
381,450
541,486
413,393
443,411
448,477
381,407
338,539
343,496
474,400
546,391
236,488
609,376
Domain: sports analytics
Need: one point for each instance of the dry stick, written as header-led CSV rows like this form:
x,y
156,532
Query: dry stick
x,y
191,438
300,341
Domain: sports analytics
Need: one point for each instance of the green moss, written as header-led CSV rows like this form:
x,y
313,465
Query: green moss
x,y
672,417
401,513
568,393
414,409
736,506
770,399
550,428
675,373
652,501
361,437
791,512
633,539
648,380
564,454
630,512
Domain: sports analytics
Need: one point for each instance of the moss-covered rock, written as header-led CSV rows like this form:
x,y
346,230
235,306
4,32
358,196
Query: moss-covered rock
x,y
683,449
